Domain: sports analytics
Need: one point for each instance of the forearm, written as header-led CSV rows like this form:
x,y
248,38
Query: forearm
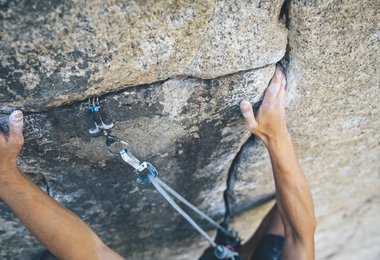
x,y
293,195
62,232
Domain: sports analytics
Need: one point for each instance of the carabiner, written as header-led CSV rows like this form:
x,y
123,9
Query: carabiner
x,y
223,252
151,170
115,145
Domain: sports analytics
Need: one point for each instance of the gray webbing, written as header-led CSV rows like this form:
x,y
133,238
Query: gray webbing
x,y
221,252
119,147
129,158
195,209
156,183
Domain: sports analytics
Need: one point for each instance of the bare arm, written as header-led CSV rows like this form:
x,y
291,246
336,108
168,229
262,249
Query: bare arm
x,y
293,195
294,200
61,231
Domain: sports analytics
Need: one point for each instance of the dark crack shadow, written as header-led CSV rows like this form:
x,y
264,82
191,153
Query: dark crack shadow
x,y
232,207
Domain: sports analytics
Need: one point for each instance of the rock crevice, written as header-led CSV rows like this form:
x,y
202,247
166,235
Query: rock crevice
x,y
172,74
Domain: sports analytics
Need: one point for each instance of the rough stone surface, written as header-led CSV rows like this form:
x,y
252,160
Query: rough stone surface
x,y
54,52
190,129
57,52
333,115
250,180
336,120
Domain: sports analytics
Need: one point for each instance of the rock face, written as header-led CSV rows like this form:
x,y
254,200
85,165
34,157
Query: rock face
x,y
56,52
333,115
190,129
171,75
336,120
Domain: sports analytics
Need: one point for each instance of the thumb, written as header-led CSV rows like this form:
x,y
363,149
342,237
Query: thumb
x,y
16,124
247,111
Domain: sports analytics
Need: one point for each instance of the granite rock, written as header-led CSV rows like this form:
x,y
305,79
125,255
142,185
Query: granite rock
x,y
171,74
190,129
55,52
336,120
333,115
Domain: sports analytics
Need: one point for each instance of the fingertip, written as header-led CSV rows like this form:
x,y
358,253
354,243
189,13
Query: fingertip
x,y
278,75
246,109
16,122
249,117
282,75
245,105
277,82
16,116
280,67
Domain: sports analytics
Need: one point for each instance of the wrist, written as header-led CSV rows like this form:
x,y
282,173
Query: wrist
x,y
277,139
8,171
10,182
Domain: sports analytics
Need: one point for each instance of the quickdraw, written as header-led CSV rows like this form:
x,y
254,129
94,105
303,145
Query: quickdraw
x,y
121,149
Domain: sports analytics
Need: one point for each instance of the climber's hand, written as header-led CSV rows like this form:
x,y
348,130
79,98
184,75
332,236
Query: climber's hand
x,y
11,142
269,122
